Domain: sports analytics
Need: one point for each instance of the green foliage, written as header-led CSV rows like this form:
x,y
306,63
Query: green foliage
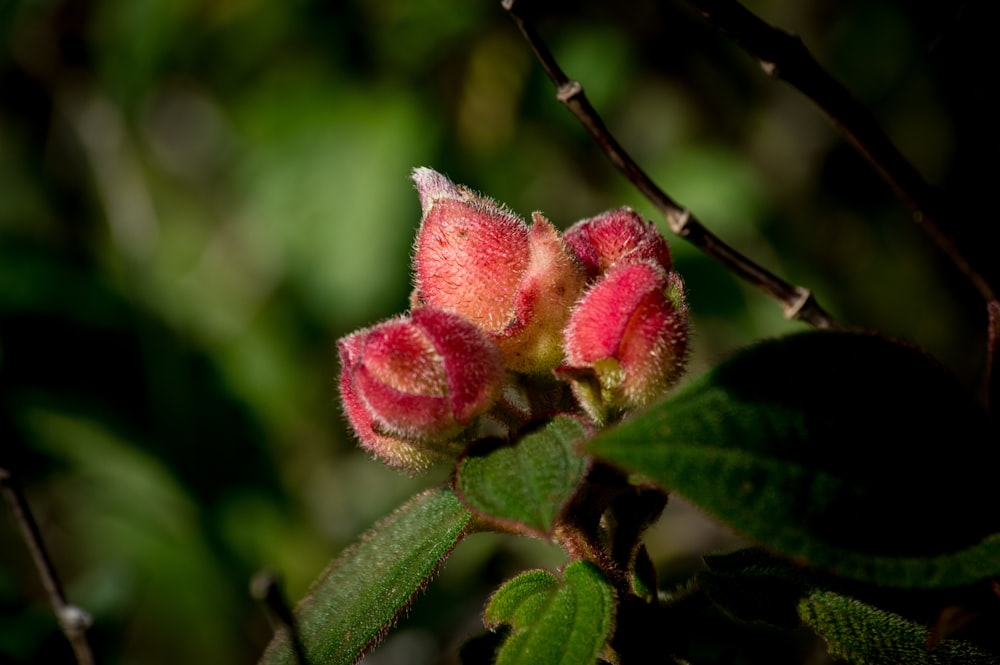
x,y
526,486
358,598
807,445
752,585
198,198
555,622
755,586
866,635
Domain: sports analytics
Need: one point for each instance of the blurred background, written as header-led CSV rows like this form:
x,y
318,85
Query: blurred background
x,y
198,198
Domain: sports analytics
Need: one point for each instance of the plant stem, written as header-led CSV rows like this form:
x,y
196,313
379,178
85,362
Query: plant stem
x,y
264,586
785,57
797,302
73,621
992,383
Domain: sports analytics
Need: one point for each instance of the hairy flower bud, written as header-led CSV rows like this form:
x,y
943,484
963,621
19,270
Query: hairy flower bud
x,y
476,258
630,331
411,385
615,236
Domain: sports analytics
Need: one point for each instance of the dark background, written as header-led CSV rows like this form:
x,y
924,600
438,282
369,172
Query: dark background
x,y
198,198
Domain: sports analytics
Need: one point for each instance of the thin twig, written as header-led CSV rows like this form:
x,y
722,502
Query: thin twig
x,y
264,586
992,382
796,301
73,621
785,57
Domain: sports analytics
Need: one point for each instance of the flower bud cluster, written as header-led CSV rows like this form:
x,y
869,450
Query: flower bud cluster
x,y
630,328
504,318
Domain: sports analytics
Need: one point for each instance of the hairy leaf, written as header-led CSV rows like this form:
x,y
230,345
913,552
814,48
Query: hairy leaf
x,y
356,600
521,600
864,635
847,451
554,622
526,486
753,585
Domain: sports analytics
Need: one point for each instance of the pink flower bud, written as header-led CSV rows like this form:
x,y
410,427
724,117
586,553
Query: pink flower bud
x,y
476,258
630,330
615,236
411,385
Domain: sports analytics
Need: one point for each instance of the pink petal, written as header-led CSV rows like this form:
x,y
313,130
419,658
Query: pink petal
x,y
392,451
471,361
533,340
653,350
402,356
631,329
598,323
470,253
616,235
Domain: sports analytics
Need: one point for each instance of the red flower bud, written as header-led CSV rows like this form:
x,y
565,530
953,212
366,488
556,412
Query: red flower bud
x,y
476,258
411,385
630,329
618,235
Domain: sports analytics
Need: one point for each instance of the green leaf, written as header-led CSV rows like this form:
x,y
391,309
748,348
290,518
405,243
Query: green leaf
x,y
554,622
846,451
526,486
864,635
752,585
522,600
356,600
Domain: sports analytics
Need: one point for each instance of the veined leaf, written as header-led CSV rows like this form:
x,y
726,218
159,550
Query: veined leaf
x,y
847,451
554,622
521,600
356,600
865,635
756,586
526,486
753,585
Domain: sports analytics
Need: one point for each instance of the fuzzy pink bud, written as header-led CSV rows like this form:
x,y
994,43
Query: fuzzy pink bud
x,y
618,235
630,330
411,385
476,258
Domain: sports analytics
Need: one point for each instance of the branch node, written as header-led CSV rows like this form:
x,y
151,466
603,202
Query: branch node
x,y
771,69
795,307
568,91
680,222
74,619
784,55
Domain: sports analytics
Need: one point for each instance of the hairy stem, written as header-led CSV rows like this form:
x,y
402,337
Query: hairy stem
x,y
785,57
797,302
73,621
